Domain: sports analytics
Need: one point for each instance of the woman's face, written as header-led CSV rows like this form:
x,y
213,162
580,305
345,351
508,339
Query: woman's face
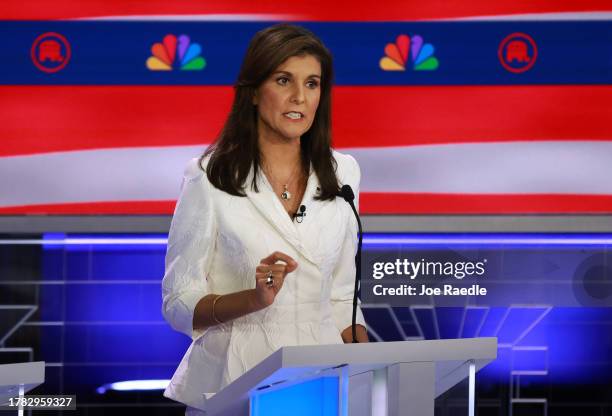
x,y
287,101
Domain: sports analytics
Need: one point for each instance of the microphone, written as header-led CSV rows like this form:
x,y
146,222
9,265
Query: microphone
x,y
299,216
347,193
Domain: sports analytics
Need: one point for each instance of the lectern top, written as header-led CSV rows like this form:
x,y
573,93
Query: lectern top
x,y
293,362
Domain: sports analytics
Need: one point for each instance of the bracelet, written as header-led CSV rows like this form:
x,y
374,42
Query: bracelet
x,y
213,309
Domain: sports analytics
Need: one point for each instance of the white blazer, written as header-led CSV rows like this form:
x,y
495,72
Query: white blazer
x,y
215,243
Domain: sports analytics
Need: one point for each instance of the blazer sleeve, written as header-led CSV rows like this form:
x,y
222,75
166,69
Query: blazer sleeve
x,y
190,251
344,272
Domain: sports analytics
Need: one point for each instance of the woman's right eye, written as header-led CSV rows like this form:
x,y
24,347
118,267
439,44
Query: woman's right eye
x,y
282,80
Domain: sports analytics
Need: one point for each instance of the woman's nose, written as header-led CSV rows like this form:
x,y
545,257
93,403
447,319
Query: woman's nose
x,y
298,95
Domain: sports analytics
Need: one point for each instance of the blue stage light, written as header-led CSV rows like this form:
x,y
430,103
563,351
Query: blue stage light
x,y
134,385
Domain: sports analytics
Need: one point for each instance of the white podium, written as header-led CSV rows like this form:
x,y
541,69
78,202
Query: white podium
x,y
371,379
18,379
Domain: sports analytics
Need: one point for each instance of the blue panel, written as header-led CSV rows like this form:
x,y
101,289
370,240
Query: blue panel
x,y
51,352
530,360
410,329
317,397
492,321
143,264
77,262
51,300
473,319
113,302
53,262
403,314
467,52
385,327
449,322
113,261
516,324
407,322
76,344
427,322
129,344
573,342
122,335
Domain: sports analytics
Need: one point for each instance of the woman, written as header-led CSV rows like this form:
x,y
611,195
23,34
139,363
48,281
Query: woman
x,y
245,275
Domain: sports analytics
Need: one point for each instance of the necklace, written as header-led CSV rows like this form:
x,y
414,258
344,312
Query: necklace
x,y
285,195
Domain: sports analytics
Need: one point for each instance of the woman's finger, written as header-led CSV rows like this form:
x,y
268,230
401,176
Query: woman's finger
x,y
279,256
262,268
276,268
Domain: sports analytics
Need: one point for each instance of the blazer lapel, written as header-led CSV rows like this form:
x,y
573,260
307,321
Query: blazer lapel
x,y
271,208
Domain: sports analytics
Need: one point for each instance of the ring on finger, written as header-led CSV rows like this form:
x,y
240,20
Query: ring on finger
x,y
269,278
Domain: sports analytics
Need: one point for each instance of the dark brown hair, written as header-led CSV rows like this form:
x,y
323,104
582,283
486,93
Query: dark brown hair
x,y
236,149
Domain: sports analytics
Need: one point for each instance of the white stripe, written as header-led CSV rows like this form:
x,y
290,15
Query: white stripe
x,y
154,173
123,174
540,167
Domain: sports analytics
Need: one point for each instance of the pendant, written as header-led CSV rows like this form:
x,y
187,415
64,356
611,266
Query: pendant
x,y
286,195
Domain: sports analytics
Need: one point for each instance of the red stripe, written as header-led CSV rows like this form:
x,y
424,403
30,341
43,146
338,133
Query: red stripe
x,y
37,119
396,203
390,10
391,116
94,208
48,119
372,203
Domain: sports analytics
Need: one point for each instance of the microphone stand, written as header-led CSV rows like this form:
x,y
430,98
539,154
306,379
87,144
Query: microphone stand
x,y
348,195
357,275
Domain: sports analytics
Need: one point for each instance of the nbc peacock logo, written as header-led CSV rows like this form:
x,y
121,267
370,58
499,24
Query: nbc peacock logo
x,y
407,48
176,53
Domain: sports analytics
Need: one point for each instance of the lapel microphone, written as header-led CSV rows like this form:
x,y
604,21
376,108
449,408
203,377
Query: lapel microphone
x,y
299,216
347,193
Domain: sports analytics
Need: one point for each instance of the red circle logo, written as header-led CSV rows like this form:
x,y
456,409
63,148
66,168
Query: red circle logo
x,y
50,52
517,52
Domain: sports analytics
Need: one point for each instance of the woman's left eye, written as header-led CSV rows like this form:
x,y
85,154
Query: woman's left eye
x,y
312,84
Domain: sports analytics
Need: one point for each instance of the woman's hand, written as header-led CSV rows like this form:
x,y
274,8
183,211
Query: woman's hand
x,y
264,293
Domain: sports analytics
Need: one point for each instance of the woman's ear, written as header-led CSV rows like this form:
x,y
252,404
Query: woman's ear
x,y
255,99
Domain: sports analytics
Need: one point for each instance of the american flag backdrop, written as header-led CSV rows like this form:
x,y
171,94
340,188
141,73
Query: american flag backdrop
x,y
450,107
